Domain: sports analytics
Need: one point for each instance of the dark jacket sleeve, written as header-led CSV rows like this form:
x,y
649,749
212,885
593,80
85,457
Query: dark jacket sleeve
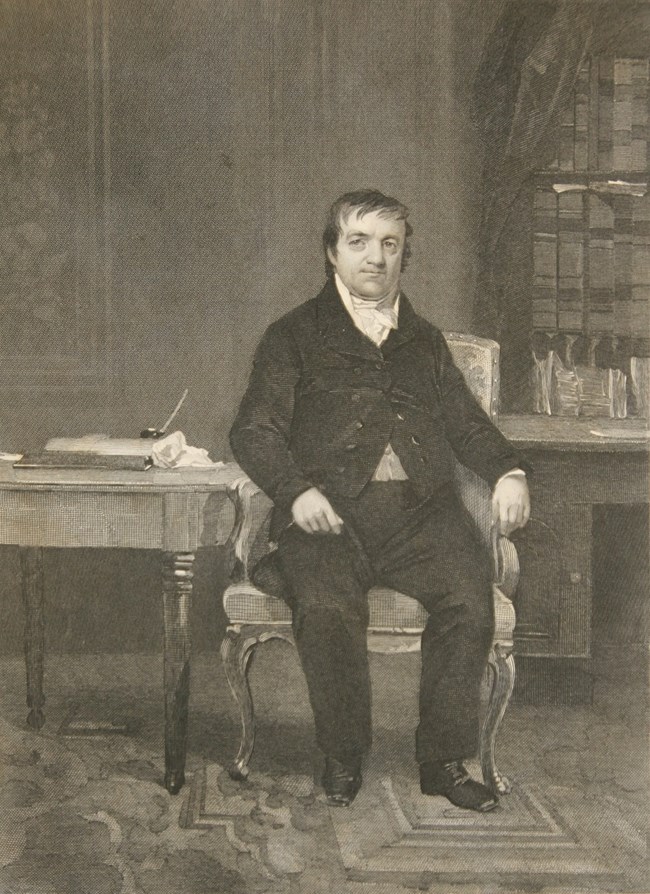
x,y
260,433
476,441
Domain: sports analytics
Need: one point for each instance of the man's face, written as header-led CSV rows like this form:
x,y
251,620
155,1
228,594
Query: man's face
x,y
368,255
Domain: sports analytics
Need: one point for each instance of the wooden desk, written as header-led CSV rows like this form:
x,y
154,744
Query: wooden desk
x,y
575,470
173,511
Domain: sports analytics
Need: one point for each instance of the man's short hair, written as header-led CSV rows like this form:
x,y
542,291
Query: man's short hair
x,y
363,201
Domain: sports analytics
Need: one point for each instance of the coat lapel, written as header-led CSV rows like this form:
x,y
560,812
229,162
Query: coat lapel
x,y
407,327
337,328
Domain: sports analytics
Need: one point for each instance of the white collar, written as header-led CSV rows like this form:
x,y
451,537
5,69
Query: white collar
x,y
386,309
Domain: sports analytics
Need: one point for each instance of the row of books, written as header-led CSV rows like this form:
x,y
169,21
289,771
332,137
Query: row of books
x,y
563,390
605,126
591,262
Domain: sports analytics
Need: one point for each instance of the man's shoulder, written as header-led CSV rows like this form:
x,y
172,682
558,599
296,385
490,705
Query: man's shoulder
x,y
302,318
302,313
425,326
428,327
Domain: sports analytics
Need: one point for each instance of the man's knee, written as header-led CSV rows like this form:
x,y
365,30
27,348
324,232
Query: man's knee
x,y
478,613
467,604
476,597
472,589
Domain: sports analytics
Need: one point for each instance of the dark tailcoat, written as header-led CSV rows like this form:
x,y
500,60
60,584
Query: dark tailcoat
x,y
323,402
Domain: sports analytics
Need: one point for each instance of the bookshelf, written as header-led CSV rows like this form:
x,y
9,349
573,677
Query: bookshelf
x,y
591,250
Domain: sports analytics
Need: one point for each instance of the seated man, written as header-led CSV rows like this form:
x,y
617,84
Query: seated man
x,y
350,423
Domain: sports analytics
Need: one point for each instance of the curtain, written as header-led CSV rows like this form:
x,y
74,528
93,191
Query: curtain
x,y
524,81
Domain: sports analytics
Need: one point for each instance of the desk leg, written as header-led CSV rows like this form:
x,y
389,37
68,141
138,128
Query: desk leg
x,y
177,594
31,566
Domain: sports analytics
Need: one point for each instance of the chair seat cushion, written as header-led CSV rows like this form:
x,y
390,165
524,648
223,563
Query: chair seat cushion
x,y
390,611
245,604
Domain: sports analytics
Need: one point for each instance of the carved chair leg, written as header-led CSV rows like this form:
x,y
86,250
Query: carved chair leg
x,y
502,668
236,651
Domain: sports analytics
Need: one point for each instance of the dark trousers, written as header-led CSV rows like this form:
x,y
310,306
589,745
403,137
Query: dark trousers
x,y
429,550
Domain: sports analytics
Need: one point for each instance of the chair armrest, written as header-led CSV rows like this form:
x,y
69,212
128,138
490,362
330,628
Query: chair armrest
x,y
477,497
248,540
506,565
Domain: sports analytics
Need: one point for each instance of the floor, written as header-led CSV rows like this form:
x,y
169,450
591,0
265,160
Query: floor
x,y
83,810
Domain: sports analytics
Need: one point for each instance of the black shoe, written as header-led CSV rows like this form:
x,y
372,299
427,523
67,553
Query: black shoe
x,y
341,781
451,779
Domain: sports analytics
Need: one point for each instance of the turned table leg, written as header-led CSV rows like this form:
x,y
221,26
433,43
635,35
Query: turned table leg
x,y
31,566
177,593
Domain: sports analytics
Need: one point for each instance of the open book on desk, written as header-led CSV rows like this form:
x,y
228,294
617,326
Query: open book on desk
x,y
91,451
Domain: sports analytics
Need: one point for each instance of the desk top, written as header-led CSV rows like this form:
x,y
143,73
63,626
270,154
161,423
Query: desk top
x,y
92,479
569,433
527,432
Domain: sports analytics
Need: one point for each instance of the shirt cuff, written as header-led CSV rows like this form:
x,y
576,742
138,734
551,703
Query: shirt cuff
x,y
289,490
515,473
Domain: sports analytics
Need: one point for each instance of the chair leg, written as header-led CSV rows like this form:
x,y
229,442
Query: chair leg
x,y
236,651
502,667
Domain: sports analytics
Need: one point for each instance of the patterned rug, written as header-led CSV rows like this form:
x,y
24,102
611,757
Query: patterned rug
x,y
535,839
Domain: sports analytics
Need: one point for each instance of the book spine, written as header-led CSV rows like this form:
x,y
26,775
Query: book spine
x,y
618,390
605,112
639,148
581,131
623,264
570,261
595,391
71,460
640,385
594,111
565,389
545,261
622,131
601,266
541,383
641,272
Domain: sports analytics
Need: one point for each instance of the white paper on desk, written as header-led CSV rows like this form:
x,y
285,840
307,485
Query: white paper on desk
x,y
173,452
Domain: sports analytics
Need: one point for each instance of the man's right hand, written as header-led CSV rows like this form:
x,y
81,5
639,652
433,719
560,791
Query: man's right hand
x,y
313,512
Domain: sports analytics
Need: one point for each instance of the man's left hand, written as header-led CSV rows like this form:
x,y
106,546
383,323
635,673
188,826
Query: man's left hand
x,y
511,503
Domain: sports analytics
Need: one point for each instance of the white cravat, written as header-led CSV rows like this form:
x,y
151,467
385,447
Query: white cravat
x,y
375,320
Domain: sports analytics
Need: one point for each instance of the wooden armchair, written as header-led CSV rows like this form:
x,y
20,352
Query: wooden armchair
x,y
396,621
